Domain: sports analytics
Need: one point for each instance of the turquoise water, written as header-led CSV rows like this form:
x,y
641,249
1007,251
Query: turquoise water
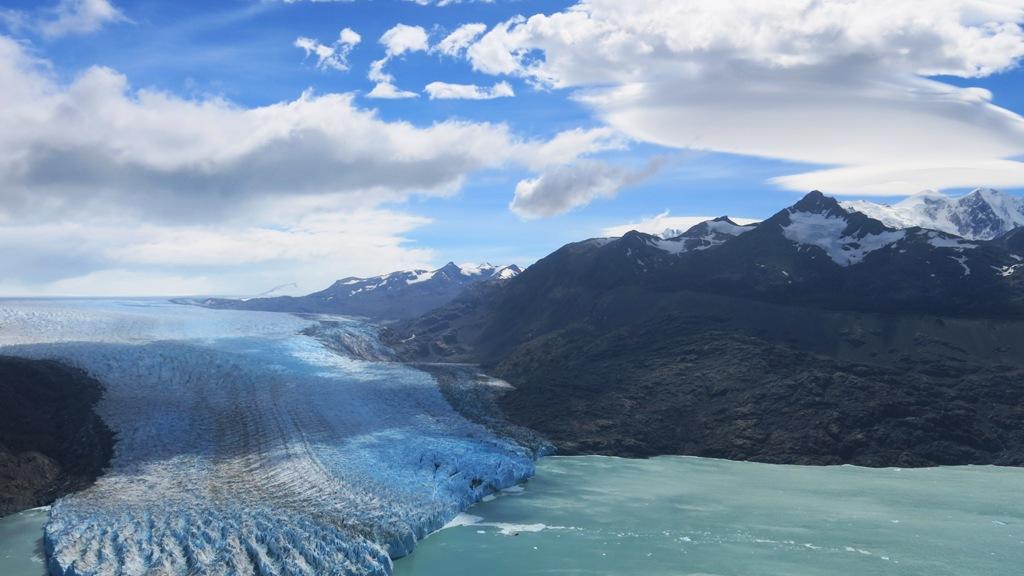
x,y
691,516
678,516
21,543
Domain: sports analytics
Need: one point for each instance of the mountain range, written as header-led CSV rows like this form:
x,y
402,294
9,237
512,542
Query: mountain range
x,y
394,296
820,335
983,214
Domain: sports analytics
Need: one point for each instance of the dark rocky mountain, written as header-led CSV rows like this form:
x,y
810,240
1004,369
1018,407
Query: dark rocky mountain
x,y
52,443
398,295
820,335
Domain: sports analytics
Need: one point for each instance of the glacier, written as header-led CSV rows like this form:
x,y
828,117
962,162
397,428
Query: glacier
x,y
254,442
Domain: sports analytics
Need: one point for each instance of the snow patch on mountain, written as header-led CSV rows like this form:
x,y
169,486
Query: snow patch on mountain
x,y
704,235
673,246
940,241
727,227
826,231
981,215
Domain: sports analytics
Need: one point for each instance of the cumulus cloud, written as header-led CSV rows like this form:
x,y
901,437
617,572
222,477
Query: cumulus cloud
x,y
829,82
398,40
334,55
100,182
98,141
446,91
664,221
563,188
403,38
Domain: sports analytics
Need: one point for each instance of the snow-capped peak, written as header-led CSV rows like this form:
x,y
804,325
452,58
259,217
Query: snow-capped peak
x,y
721,225
981,215
488,270
705,235
830,233
471,269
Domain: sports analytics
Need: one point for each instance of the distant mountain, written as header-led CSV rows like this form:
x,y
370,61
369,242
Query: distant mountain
x,y
393,296
706,234
820,335
983,214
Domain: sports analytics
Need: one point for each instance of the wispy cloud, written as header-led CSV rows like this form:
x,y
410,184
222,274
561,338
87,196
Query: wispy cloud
x,y
66,18
334,55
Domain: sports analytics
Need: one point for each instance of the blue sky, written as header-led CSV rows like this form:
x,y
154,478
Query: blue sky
x,y
681,107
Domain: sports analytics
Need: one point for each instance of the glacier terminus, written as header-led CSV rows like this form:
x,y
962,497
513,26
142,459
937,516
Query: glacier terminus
x,y
246,444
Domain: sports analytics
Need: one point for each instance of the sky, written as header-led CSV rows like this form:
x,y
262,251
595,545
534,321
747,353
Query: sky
x,y
193,147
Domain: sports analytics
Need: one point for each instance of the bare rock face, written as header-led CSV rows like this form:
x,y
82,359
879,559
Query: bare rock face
x,y
51,441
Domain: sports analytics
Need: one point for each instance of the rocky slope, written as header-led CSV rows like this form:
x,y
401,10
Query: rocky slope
x,y
819,336
51,441
393,296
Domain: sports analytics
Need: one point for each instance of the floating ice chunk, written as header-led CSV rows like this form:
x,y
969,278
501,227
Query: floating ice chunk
x,y
462,519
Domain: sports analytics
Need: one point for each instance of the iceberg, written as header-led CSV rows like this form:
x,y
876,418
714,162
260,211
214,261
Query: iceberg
x,y
248,444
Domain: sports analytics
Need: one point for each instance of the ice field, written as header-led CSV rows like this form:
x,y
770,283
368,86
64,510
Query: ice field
x,y
245,445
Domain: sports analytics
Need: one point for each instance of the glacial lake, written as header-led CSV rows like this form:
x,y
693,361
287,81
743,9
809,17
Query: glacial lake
x,y
681,516
691,516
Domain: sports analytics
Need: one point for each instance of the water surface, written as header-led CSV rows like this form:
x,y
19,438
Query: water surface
x,y
21,543
677,516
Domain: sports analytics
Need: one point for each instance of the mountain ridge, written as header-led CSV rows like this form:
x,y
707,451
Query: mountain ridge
x,y
983,214
818,336
392,296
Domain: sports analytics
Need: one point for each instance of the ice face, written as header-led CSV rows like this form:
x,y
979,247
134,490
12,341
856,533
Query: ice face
x,y
245,446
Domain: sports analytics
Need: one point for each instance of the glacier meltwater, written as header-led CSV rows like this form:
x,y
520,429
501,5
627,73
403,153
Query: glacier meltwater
x,y
246,445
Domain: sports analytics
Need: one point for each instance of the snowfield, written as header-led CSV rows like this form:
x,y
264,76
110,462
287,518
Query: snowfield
x,y
245,445
827,233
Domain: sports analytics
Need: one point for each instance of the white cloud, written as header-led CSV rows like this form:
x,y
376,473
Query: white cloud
x,y
67,17
446,91
402,38
388,91
397,40
455,44
897,179
664,221
569,145
98,141
335,55
829,82
100,181
564,188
